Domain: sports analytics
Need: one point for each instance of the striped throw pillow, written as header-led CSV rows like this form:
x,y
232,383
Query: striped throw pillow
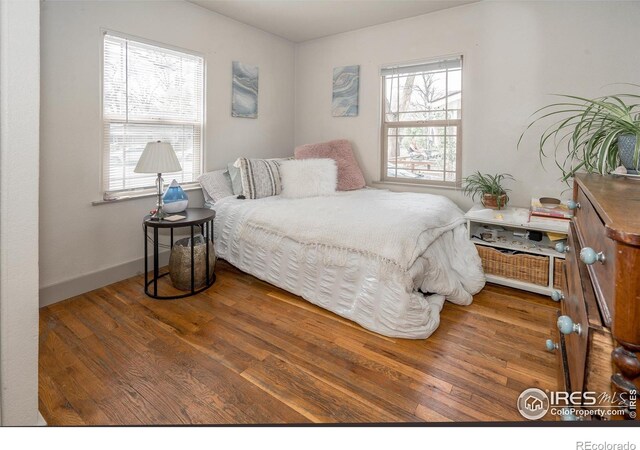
x,y
260,177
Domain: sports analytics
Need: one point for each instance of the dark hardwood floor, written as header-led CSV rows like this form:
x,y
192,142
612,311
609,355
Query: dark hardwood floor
x,y
247,352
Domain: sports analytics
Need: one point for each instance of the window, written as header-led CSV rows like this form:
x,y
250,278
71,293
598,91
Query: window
x,y
421,122
149,93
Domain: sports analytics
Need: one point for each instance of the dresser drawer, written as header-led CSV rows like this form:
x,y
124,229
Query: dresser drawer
x,y
561,360
605,358
591,233
573,306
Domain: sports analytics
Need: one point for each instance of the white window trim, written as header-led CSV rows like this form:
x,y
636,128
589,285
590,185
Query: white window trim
x,y
135,194
129,194
384,178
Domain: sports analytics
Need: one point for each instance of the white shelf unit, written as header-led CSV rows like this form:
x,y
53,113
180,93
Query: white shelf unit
x,y
517,219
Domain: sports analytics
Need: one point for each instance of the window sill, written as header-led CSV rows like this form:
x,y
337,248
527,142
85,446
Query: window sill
x,y
123,197
382,184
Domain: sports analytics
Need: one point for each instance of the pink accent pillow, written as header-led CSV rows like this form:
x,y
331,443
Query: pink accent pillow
x,y
349,174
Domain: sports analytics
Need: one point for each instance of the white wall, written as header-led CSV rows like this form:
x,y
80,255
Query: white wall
x,y
515,54
19,103
80,242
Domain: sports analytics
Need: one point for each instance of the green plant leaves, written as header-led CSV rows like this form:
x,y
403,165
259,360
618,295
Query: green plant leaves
x,y
585,134
478,184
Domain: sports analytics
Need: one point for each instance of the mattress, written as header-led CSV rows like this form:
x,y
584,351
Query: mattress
x,y
449,269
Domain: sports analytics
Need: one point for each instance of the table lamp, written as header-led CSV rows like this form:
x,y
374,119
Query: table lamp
x,y
158,157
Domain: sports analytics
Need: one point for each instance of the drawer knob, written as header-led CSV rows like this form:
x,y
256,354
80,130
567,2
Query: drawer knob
x,y
590,256
561,247
572,204
566,326
551,346
556,296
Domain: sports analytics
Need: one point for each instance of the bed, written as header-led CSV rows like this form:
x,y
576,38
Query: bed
x,y
387,261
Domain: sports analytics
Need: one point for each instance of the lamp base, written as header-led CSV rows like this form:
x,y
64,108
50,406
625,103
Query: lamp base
x,y
158,215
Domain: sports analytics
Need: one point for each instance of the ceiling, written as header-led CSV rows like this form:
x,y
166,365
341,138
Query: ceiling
x,y
302,20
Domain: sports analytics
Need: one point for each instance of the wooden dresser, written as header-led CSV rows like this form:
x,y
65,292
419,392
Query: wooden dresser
x,y
599,328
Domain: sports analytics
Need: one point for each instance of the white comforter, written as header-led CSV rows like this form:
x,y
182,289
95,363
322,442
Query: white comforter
x,y
363,254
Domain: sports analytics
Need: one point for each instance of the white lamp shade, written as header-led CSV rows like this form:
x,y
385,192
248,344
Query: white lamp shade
x,y
158,157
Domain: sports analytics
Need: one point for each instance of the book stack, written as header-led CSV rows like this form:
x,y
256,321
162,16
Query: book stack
x,y
549,211
551,208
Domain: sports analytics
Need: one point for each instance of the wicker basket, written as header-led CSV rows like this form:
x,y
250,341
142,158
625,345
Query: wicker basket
x,y
558,273
521,266
180,263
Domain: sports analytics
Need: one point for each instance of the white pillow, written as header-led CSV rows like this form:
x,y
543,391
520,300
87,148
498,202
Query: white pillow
x,y
216,185
308,177
236,180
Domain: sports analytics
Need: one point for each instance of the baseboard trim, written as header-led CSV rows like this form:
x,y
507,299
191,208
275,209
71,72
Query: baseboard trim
x,y
70,288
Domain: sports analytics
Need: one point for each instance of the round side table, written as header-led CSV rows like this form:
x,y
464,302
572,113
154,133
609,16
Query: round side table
x,y
195,217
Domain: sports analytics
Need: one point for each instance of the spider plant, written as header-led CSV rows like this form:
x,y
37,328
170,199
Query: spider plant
x,y
488,187
590,130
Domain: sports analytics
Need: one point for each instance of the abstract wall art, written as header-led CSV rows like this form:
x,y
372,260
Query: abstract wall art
x,y
244,97
346,81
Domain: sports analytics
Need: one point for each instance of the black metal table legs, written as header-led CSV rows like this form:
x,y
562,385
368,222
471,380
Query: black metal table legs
x,y
206,230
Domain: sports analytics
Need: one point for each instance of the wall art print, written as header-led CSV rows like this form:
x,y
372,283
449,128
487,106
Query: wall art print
x,y
346,81
244,96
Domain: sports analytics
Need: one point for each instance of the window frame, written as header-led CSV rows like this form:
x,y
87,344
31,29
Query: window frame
x,y
386,125
148,190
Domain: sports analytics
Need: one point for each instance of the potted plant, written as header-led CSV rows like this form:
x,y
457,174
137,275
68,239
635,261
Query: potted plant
x,y
488,187
600,134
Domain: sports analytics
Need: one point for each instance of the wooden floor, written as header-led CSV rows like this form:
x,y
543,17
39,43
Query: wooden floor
x,y
247,352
